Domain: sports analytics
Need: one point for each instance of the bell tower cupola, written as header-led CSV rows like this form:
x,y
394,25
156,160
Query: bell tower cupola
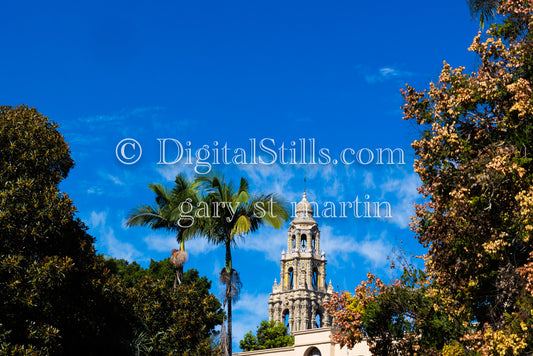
x,y
297,299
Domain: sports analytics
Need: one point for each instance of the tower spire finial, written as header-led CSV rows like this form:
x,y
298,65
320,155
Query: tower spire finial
x,y
305,181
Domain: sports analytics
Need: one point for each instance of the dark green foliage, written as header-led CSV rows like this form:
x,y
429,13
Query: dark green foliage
x,y
129,273
269,335
132,273
55,295
180,321
177,322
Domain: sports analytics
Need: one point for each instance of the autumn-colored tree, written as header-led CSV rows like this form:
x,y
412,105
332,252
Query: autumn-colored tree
x,y
269,335
56,296
402,317
475,162
476,166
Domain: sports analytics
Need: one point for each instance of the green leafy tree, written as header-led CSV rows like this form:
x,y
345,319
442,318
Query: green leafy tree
x,y
129,273
173,320
177,321
269,335
132,273
56,296
60,298
239,215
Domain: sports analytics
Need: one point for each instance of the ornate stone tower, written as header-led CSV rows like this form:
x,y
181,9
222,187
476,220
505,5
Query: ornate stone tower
x,y
297,300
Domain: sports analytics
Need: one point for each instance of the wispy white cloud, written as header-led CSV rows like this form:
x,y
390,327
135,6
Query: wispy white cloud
x,y
272,178
81,139
199,246
97,219
386,73
95,190
342,248
375,251
170,171
165,243
368,180
217,267
268,241
119,249
115,179
101,118
404,189
118,183
249,310
161,243
106,236
288,181
122,115
248,303
84,131
339,248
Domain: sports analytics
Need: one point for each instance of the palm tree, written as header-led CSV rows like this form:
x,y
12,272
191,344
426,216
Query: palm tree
x,y
485,9
168,213
235,213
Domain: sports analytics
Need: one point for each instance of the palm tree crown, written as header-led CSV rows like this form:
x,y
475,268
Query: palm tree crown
x,y
237,214
168,214
485,9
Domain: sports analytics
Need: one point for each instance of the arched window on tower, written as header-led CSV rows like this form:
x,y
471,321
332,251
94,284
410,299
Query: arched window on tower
x,y
318,320
286,319
315,278
313,242
291,278
293,241
304,241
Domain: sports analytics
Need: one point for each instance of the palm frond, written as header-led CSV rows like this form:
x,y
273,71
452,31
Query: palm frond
x,y
242,226
244,186
485,9
162,193
242,197
146,215
181,183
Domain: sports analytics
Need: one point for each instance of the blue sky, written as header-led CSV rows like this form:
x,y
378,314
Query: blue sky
x,y
229,72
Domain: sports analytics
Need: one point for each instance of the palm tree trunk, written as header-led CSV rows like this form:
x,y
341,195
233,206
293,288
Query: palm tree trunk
x,y
229,296
179,276
229,327
179,272
179,257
